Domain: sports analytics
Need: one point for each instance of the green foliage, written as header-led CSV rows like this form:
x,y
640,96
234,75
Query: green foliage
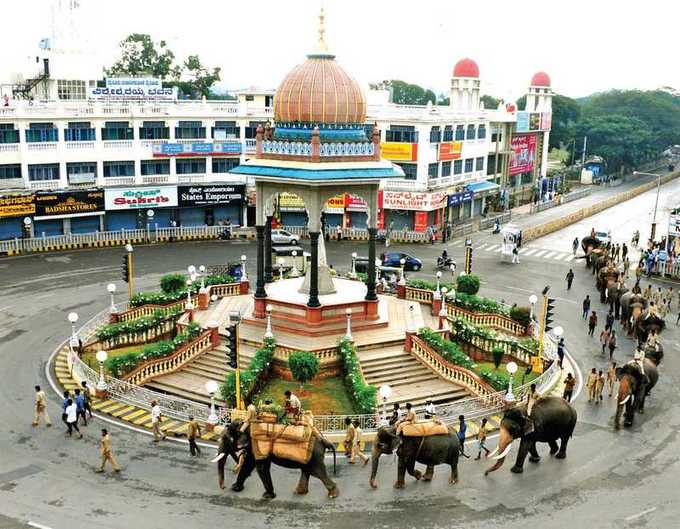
x,y
121,365
498,380
467,284
450,351
249,378
520,315
497,353
303,365
139,325
465,331
479,304
363,395
162,298
424,284
403,93
171,283
490,102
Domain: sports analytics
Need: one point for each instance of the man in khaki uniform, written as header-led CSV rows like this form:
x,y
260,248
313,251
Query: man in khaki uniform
x,y
156,419
348,443
251,416
40,408
409,418
611,378
193,431
356,446
106,453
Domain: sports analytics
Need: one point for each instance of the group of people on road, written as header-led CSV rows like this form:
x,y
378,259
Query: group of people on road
x,y
596,381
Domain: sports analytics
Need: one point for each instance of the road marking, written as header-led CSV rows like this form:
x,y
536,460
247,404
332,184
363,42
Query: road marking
x,y
489,249
481,247
6,308
570,257
640,514
531,252
539,253
39,525
522,251
550,255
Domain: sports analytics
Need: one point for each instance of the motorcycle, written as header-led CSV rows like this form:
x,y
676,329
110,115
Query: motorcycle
x,y
444,264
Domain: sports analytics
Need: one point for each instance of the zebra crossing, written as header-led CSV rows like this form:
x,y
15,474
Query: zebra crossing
x,y
539,253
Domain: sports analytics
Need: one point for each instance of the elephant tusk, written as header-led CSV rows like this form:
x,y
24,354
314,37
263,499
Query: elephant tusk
x,y
218,457
493,453
624,401
504,452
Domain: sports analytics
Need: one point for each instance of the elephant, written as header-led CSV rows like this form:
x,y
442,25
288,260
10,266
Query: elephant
x,y
632,304
233,440
430,451
654,354
553,418
647,322
588,245
633,390
599,259
613,296
607,277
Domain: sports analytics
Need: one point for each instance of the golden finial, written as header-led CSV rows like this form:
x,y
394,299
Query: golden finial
x,y
321,46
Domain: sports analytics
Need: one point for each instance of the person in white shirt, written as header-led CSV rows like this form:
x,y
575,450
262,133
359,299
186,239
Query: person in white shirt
x,y
430,410
156,422
293,405
72,418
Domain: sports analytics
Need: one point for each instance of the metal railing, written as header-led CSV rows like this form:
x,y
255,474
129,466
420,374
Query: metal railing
x,y
568,197
488,222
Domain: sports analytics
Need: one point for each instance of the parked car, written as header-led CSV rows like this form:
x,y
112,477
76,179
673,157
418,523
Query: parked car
x,y
394,259
284,237
605,237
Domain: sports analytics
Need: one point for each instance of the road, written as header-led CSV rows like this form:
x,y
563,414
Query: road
x,y
611,478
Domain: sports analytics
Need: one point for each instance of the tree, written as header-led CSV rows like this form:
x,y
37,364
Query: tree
x,y
304,366
468,284
140,55
490,102
197,78
404,93
497,354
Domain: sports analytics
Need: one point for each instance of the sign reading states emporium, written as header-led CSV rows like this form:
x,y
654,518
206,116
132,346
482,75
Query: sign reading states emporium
x,y
208,195
17,206
69,203
141,197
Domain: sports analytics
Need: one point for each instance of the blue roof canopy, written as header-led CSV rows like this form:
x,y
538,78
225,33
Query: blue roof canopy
x,y
478,187
308,174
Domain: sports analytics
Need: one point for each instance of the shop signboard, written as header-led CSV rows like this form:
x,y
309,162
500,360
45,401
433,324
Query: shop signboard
x,y
290,202
546,120
407,200
450,150
172,150
133,82
355,203
456,199
674,226
132,93
65,203
534,121
522,122
17,206
209,195
335,205
401,152
140,197
523,155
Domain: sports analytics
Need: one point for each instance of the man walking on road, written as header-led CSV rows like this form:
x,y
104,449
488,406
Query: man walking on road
x,y
193,431
72,419
107,455
570,278
575,245
592,323
586,307
88,398
156,422
560,352
611,378
462,430
40,408
569,384
612,344
591,384
356,447
348,443
80,405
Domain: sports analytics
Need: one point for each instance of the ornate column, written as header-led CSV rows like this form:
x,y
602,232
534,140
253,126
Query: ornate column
x,y
314,271
268,272
370,294
260,291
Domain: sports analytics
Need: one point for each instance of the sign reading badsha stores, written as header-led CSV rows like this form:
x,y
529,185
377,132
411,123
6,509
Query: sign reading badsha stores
x,y
69,203
141,197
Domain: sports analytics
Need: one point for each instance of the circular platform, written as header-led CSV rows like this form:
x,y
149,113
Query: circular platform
x,y
287,291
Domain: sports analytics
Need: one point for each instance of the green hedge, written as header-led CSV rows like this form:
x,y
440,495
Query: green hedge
x,y
138,325
173,283
450,351
424,284
121,365
496,379
475,303
163,298
249,378
464,331
363,395
468,284
520,315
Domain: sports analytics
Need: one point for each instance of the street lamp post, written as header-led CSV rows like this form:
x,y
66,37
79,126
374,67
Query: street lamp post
x,y
73,318
201,274
268,334
402,279
244,276
129,249
281,261
353,273
512,369
111,287
439,276
348,334
101,383
211,387
656,202
294,272
189,304
532,301
385,393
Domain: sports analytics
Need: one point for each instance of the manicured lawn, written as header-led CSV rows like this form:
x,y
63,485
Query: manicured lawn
x,y
91,358
325,396
518,376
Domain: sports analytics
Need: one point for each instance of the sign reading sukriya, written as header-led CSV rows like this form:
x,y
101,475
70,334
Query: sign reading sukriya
x,y
17,206
69,203
190,196
141,197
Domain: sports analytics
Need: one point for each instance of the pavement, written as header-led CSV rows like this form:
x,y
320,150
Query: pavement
x,y
611,478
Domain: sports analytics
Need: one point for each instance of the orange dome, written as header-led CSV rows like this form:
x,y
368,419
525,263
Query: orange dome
x,y
466,68
319,91
540,79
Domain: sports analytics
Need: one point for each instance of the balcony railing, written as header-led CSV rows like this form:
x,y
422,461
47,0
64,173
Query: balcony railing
x,y
118,144
191,178
45,184
71,145
156,179
9,147
42,146
119,181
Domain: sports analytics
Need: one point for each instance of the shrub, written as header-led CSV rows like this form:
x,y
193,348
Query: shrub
x,y
163,298
497,353
467,284
304,366
496,379
424,284
138,325
171,283
363,395
520,315
475,303
449,350
249,378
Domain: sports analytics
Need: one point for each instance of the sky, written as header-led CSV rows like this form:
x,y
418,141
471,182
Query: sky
x,y
593,46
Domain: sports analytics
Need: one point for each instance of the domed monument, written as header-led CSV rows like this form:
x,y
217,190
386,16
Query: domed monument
x,y
317,149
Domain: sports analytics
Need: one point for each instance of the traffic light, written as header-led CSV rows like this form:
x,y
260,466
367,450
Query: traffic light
x,y
549,313
232,345
468,260
125,268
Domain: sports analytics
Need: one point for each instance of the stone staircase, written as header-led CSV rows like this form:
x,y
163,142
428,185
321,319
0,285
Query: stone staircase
x,y
410,380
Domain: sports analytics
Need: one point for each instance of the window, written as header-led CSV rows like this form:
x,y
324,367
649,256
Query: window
x,y
496,136
79,131
154,130
458,167
155,167
193,166
448,133
401,134
224,165
433,170
470,132
410,171
8,134
114,169
468,165
460,132
435,135
41,132
226,129
117,130
71,90
479,163
43,171
10,171
189,130
251,129
491,165
81,168
446,169
481,132
250,98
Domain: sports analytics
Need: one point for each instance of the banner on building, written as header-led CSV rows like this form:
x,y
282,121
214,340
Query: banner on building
x,y
407,200
450,150
17,206
403,152
171,150
140,197
69,203
674,225
535,121
132,93
290,202
133,82
522,122
456,199
335,205
355,203
523,155
209,195
546,120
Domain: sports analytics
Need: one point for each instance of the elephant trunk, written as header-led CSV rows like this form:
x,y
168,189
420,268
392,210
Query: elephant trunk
x,y
375,460
221,461
504,446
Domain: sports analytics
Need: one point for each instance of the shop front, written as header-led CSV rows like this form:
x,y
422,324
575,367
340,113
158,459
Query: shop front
x,y
459,206
290,210
412,211
128,208
356,212
13,210
64,212
211,204
334,211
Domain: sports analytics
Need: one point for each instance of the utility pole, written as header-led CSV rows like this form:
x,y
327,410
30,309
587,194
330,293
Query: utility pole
x,y
585,144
